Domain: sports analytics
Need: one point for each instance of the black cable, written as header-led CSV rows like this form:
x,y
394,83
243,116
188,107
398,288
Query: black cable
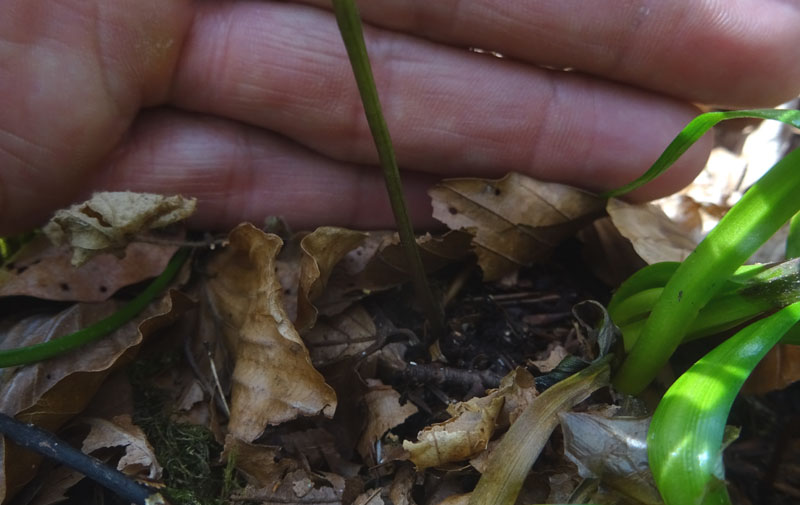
x,y
38,440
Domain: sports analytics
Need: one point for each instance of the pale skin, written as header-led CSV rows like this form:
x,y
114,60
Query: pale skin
x,y
250,106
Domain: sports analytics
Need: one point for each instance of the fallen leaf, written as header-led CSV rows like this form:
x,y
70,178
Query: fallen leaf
x,y
43,270
384,412
379,263
322,250
298,487
777,370
371,497
612,449
121,432
402,485
654,236
273,378
515,220
54,487
341,336
458,438
261,465
50,393
108,221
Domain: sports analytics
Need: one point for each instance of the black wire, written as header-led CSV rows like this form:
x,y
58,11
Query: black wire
x,y
50,446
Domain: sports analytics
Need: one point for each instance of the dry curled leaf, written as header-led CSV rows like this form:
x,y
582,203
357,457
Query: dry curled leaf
x,y
139,455
515,220
273,378
384,412
108,221
43,270
51,392
379,263
322,250
461,437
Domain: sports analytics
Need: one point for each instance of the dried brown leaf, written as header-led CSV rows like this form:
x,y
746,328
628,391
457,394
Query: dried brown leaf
x,y
613,449
322,250
43,270
108,221
341,336
298,487
260,464
458,438
139,455
273,379
384,412
654,236
515,220
379,263
51,392
779,368
55,486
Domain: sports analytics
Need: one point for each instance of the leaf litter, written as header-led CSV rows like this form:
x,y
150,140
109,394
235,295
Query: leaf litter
x,y
335,398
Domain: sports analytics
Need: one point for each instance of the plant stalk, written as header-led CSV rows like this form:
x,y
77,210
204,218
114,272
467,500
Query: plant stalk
x,y
349,22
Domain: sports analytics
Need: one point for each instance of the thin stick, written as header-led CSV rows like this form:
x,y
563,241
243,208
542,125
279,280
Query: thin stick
x,y
48,445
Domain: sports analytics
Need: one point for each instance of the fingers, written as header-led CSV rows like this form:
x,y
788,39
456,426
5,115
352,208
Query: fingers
x,y
451,112
240,173
73,75
734,52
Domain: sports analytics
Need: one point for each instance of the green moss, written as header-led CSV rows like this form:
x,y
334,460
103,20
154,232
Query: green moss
x,y
188,453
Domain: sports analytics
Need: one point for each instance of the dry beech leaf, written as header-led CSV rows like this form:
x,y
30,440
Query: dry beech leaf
x,y
43,270
402,485
108,221
654,236
612,449
371,497
121,432
273,379
463,436
51,392
379,263
341,336
260,464
322,250
55,485
384,412
515,220
296,488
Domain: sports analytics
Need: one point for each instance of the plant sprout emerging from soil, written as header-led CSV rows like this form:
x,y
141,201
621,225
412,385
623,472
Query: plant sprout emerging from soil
x,y
709,291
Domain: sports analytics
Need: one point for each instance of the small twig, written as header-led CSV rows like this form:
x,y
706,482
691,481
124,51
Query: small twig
x,y
48,445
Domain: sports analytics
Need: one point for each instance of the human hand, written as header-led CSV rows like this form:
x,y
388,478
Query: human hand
x,y
251,106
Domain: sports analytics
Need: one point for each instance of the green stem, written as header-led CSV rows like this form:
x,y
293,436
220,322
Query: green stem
x,y
349,23
61,345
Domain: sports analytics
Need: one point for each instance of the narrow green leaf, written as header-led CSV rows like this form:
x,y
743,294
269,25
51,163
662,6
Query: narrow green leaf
x,y
686,433
693,131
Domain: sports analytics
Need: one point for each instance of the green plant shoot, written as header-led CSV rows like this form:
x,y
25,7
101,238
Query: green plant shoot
x,y
686,434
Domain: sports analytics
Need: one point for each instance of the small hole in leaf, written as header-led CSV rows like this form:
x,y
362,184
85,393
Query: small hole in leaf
x,y
21,269
103,289
287,291
64,286
497,191
452,210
